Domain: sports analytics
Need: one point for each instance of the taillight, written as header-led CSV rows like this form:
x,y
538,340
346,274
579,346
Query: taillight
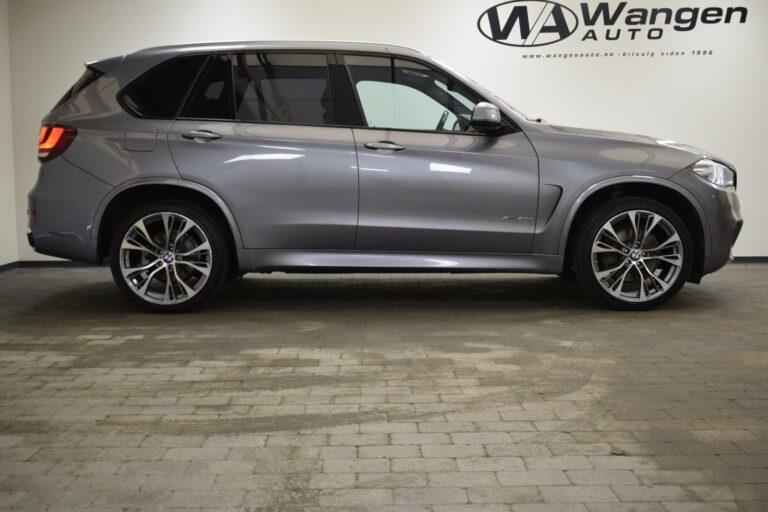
x,y
54,140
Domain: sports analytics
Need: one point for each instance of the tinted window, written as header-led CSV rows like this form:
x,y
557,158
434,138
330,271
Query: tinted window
x,y
160,91
212,96
90,76
401,94
282,88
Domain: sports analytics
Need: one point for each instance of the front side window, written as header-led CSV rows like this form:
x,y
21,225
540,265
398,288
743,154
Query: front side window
x,y
283,88
400,94
159,92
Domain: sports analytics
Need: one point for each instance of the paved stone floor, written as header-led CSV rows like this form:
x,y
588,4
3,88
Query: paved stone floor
x,y
397,393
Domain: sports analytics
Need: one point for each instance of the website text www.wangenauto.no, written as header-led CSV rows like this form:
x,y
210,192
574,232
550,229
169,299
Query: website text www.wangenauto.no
x,y
619,54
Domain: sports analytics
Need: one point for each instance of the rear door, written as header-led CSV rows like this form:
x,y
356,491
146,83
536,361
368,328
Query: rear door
x,y
259,129
428,181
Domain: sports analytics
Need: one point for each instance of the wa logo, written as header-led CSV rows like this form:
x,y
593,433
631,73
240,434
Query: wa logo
x,y
528,23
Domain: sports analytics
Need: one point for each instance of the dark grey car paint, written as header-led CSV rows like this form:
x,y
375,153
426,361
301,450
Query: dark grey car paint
x,y
290,187
508,206
447,193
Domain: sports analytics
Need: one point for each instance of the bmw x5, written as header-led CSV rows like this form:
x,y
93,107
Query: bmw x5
x,y
186,166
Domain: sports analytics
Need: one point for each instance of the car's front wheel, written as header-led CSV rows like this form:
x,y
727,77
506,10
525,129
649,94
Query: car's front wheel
x,y
169,256
632,253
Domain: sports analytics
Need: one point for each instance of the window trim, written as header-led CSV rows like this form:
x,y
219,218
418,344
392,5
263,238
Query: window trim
x,y
333,58
511,127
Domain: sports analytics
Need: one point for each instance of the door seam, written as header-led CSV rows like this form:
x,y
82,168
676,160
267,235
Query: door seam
x,y
357,167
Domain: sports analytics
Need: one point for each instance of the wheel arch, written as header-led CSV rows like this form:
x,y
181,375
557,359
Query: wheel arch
x,y
122,199
671,194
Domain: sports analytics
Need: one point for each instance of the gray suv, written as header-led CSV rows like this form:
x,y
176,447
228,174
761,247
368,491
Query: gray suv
x,y
186,166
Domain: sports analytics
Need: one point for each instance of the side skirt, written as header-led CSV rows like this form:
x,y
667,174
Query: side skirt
x,y
296,261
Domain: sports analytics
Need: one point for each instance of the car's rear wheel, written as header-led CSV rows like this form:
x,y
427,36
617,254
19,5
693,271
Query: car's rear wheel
x,y
169,256
632,253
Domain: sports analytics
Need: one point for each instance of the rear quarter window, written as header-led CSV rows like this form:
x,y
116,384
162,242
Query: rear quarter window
x,y
158,93
90,76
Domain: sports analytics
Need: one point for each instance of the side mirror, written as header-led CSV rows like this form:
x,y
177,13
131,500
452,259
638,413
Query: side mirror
x,y
486,117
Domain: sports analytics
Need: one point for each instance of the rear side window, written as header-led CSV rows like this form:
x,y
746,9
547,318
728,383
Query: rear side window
x,y
159,92
212,96
283,88
90,76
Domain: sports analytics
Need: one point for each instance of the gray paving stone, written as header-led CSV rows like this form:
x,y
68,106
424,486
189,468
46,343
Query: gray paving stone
x,y
423,465
430,496
549,507
509,495
452,450
388,428
359,439
625,507
533,477
332,480
243,481
207,499
420,438
558,462
462,479
490,464
602,477
471,508
701,507
651,493
355,497
356,465
390,480
389,452
577,493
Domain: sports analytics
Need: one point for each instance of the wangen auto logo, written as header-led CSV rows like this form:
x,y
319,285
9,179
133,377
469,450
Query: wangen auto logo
x,y
528,23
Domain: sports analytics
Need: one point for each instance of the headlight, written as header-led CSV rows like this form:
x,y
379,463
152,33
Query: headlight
x,y
715,172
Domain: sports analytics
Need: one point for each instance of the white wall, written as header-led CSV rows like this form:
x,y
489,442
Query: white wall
x,y
716,102
8,246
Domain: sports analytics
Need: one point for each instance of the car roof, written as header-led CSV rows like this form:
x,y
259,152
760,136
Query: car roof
x,y
234,46
137,62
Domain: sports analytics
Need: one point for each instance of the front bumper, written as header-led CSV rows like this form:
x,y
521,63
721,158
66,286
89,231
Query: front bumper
x,y
64,201
722,219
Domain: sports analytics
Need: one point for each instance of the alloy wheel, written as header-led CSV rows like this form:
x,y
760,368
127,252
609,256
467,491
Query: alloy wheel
x,y
637,256
165,258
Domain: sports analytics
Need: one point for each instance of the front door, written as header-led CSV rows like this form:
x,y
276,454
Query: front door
x,y
428,181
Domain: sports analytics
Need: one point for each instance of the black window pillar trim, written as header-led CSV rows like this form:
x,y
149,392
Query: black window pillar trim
x,y
347,110
193,86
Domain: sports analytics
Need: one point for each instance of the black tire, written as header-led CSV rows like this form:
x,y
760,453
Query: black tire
x,y
216,234
586,233
567,274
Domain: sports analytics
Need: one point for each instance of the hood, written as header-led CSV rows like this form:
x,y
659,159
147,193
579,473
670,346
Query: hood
x,y
603,134
659,146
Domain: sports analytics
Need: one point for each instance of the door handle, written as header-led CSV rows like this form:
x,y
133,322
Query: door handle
x,y
201,135
384,145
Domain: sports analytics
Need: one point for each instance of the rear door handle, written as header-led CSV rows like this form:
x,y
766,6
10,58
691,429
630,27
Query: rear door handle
x,y
384,145
201,135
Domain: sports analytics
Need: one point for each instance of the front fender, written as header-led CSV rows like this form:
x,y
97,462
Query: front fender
x,y
594,188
